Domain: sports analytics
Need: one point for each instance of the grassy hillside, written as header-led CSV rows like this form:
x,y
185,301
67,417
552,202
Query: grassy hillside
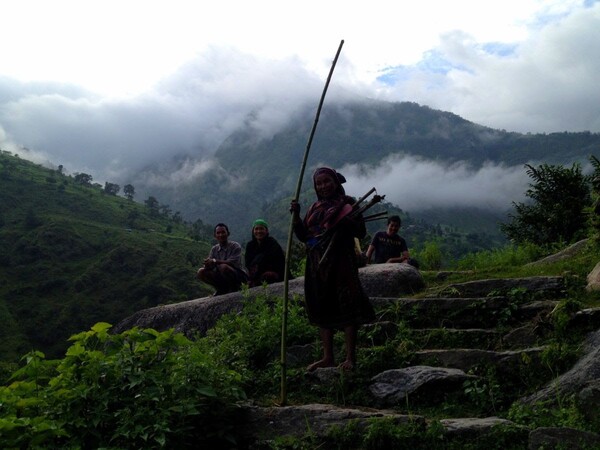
x,y
73,255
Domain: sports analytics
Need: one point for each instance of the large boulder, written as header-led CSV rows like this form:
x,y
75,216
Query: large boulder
x,y
390,280
585,371
588,401
196,316
564,254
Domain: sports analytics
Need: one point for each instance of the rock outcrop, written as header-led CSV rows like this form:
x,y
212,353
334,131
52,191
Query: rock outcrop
x,y
564,254
391,387
584,372
197,316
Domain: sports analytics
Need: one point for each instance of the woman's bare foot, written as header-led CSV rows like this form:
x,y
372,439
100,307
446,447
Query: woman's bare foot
x,y
346,366
319,364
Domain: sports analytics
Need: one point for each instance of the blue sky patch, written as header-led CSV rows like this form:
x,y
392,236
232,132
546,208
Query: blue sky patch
x,y
433,63
499,48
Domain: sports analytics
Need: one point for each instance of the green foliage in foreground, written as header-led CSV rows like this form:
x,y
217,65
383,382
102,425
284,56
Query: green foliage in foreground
x,y
250,342
138,389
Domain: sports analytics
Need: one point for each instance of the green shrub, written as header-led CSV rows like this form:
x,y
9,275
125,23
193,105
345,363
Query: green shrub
x,y
547,414
386,433
249,342
430,257
138,389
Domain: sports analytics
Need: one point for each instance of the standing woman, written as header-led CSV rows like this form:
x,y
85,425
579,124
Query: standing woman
x,y
333,294
264,257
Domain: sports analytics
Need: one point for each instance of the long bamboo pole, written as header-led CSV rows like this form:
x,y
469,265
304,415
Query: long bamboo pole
x,y
283,397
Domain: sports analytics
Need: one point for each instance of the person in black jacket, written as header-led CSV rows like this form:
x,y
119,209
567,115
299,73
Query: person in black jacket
x,y
264,258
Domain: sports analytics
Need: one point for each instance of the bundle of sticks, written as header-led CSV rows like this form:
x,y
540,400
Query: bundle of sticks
x,y
358,208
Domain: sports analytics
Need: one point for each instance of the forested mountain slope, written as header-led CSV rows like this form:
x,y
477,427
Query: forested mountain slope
x,y
72,255
256,173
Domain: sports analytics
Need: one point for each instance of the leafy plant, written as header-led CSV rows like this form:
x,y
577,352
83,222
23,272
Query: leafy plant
x,y
137,389
547,414
250,341
431,256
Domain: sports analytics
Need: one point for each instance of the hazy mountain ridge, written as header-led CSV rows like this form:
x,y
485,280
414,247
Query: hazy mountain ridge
x,y
252,172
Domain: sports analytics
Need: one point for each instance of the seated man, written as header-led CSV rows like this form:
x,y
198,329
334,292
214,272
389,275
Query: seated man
x,y
223,267
389,246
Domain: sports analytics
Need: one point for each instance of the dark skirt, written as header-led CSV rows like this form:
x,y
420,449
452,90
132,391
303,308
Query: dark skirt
x,y
333,294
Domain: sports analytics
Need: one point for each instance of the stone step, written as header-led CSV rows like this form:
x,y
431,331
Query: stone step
x,y
319,419
260,424
481,338
379,333
469,429
451,312
466,358
549,286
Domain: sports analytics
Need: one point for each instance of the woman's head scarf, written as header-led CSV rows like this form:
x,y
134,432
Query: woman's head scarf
x,y
260,222
338,178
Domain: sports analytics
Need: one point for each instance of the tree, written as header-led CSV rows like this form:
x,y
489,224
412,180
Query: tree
x,y
200,231
557,211
83,178
32,220
165,210
132,218
111,188
129,191
153,205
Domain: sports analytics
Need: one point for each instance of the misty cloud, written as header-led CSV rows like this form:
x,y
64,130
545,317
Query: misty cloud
x,y
416,184
186,173
189,113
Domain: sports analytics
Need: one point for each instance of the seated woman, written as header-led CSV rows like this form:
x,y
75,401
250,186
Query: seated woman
x,y
264,258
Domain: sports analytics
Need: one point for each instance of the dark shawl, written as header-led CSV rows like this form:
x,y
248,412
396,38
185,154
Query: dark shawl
x,y
261,257
333,294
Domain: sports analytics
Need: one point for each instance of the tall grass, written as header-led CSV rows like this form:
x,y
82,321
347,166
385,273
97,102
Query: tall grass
x,y
506,257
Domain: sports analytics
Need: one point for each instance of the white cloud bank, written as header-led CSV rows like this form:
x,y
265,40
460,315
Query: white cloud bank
x,y
415,184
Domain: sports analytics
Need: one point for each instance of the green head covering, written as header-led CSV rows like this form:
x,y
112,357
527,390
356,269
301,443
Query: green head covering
x,y
260,222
